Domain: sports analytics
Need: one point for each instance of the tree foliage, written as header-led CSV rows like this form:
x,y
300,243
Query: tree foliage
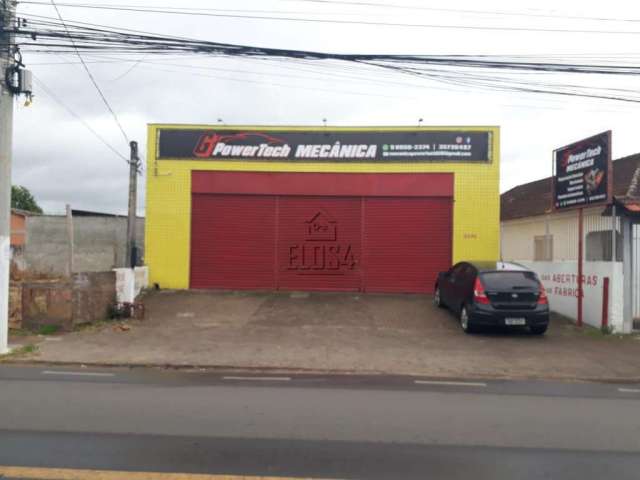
x,y
22,199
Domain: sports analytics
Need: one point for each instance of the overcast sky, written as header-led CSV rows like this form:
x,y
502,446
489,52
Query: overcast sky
x,y
61,161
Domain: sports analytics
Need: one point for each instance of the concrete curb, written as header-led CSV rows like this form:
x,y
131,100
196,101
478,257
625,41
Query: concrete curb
x,y
306,371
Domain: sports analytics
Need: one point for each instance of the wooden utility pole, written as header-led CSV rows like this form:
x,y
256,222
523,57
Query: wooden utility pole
x,y
7,16
134,165
70,240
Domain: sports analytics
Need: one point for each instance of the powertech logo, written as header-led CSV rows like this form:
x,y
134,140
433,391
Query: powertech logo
x,y
260,145
242,145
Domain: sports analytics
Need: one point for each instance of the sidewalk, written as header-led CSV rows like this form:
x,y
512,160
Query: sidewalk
x,y
394,334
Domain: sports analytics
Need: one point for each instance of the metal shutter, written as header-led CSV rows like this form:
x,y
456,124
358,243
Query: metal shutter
x,y
407,241
233,241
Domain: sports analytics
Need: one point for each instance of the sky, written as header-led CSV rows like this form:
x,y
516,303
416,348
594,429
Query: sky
x,y
61,161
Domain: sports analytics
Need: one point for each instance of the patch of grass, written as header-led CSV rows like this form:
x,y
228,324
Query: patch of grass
x,y
48,329
31,348
593,332
602,333
20,352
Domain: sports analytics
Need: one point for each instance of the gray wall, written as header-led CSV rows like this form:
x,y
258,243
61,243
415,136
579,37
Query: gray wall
x,y
99,243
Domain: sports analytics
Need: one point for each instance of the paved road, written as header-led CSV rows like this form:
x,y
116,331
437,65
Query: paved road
x,y
313,426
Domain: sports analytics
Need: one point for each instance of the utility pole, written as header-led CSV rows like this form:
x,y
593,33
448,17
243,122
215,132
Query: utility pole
x,y
69,222
134,165
7,19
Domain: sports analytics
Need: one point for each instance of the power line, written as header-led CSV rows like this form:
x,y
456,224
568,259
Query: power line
x,y
50,38
457,10
93,80
95,39
348,4
187,9
361,22
56,99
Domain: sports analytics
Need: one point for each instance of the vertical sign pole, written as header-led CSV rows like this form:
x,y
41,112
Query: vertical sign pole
x,y
580,259
614,234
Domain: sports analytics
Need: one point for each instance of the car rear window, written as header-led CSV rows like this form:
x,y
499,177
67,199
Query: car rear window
x,y
510,280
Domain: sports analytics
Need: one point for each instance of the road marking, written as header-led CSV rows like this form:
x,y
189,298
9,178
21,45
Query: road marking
x,y
72,474
262,379
78,374
629,390
452,384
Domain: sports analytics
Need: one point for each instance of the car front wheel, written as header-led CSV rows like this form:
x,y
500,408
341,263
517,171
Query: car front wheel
x,y
465,321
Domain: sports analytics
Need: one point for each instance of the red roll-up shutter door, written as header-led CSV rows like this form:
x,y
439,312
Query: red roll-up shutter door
x,y
353,232
407,241
233,241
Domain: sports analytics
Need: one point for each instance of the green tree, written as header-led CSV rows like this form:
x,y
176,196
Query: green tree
x,y
22,198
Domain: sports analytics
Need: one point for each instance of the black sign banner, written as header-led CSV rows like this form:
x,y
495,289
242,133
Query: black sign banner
x,y
582,173
324,145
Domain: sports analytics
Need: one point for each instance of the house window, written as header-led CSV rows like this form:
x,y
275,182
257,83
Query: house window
x,y
543,248
598,246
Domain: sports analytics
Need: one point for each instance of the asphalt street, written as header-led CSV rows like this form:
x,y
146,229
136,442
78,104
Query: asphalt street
x,y
315,426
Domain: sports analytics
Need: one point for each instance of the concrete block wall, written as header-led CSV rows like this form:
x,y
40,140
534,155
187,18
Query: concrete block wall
x,y
66,303
99,243
93,296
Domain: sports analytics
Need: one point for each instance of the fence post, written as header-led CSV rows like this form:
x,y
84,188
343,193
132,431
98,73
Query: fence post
x,y
605,303
627,275
580,260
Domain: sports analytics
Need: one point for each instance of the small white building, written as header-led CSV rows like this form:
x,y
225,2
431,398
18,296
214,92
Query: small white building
x,y
548,242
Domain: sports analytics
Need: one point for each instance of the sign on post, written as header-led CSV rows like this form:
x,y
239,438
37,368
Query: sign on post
x,y
582,173
582,177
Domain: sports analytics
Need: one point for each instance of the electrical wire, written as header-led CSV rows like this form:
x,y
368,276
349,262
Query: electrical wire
x,y
105,39
91,77
364,22
387,6
56,99
50,35
457,10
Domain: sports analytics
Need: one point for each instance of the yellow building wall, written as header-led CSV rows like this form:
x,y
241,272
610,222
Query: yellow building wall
x,y
476,212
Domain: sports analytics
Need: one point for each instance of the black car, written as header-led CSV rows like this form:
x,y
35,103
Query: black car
x,y
493,294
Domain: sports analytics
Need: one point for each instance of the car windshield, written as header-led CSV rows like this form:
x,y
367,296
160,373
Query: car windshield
x,y
510,280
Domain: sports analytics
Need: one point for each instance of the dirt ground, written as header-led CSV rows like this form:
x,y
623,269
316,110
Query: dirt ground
x,y
397,334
